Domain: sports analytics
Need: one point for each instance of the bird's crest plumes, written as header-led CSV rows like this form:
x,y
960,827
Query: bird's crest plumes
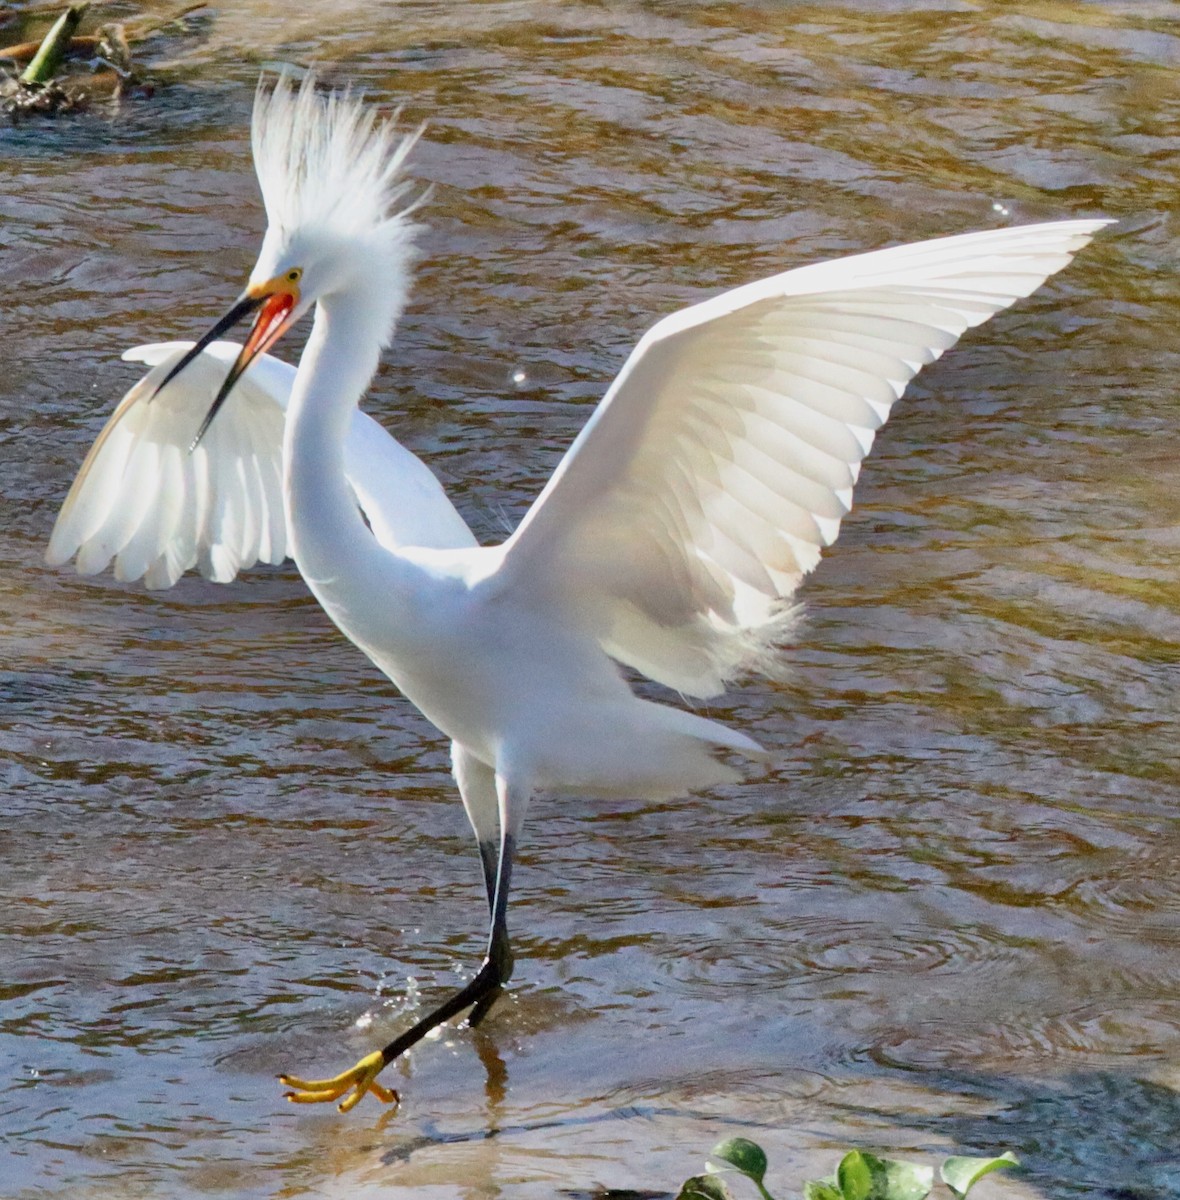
x,y
325,160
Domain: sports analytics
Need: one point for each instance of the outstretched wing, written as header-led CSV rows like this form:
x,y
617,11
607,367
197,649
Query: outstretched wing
x,y
142,499
722,459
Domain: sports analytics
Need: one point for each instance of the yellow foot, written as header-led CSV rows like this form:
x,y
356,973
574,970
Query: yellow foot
x,y
357,1081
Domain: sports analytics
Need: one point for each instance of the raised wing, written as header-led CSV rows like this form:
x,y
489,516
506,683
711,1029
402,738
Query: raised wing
x,y
722,459
142,499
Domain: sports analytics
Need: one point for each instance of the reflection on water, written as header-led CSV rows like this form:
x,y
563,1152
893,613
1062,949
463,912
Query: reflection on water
x,y
949,916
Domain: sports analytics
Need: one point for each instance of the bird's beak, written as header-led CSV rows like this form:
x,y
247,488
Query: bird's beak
x,y
273,305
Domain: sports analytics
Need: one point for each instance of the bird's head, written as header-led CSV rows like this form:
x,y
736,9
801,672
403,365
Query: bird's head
x,y
330,171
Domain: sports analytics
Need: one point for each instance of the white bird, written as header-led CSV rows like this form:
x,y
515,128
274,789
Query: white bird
x,y
670,538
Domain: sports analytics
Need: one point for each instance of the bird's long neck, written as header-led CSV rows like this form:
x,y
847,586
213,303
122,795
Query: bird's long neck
x,y
329,539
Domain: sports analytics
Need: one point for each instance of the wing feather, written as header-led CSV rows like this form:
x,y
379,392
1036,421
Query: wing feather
x,y
144,500
141,499
722,459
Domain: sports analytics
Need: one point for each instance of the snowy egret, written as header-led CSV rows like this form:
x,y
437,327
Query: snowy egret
x,y
670,538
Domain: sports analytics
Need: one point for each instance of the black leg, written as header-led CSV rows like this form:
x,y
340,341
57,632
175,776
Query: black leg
x,y
487,981
482,1006
481,993
489,855
351,1086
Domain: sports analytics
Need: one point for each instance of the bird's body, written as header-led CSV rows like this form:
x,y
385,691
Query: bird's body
x,y
670,539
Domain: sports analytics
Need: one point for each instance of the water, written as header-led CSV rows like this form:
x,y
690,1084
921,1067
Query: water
x,y
948,919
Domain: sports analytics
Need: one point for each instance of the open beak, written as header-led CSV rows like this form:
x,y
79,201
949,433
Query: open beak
x,y
273,310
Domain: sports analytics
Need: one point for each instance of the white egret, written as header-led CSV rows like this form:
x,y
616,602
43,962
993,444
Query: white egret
x,y
670,538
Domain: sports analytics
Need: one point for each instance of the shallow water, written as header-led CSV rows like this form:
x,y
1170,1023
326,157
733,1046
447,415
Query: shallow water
x,y
948,918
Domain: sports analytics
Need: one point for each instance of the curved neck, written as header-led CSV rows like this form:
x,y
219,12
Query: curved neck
x,y
328,536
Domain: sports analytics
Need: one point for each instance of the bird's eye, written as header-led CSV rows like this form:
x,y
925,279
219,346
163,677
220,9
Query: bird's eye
x,y
295,275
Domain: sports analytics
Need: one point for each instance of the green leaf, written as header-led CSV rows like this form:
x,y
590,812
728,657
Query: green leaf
x,y
704,1187
961,1174
821,1189
854,1176
862,1176
894,1180
743,1155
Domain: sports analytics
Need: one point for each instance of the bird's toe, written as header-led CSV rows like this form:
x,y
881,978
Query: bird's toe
x,y
353,1084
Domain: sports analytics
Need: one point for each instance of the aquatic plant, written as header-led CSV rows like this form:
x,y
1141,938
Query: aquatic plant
x,y
860,1175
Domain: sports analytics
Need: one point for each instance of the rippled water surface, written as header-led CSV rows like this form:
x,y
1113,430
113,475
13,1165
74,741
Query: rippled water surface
x,y
949,917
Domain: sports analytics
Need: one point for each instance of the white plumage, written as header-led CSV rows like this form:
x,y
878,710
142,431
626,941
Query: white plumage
x,y
723,458
144,501
671,537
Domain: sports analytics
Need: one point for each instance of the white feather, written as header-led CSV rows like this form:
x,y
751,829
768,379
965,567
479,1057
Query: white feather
x,y
143,499
724,454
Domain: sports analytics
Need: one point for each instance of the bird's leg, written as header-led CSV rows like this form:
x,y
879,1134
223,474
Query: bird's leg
x,y
481,799
477,787
511,803
489,800
351,1086
489,856
499,948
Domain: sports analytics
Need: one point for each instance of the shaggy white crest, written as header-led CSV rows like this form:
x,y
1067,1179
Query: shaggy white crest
x,y
326,162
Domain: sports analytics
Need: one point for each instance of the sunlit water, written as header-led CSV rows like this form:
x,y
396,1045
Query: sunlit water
x,y
949,918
